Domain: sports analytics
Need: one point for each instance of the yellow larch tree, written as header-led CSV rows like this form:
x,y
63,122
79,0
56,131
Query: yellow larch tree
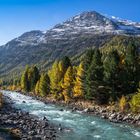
x,y
78,90
68,84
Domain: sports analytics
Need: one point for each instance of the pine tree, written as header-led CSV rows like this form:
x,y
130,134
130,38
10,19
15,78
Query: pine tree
x,y
86,63
66,63
44,85
88,59
33,76
132,68
79,82
94,75
111,72
63,66
68,84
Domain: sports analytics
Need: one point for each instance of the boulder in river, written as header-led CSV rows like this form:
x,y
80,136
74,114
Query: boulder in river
x,y
61,109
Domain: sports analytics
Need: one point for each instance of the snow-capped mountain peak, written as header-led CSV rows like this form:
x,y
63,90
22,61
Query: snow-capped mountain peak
x,y
86,23
94,23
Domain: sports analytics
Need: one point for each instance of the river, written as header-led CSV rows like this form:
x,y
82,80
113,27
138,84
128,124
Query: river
x,y
80,126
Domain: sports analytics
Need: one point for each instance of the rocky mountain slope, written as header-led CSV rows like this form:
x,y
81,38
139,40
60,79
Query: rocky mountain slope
x,y
72,38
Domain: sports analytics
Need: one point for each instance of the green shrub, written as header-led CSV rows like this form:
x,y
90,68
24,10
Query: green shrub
x,y
135,103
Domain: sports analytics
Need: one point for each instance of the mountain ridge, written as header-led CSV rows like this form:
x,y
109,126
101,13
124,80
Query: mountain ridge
x,y
101,24
71,38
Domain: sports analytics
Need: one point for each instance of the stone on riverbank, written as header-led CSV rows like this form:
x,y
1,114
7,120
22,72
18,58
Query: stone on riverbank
x,y
24,125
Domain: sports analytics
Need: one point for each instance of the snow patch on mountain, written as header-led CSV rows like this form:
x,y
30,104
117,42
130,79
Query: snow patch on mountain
x,y
126,24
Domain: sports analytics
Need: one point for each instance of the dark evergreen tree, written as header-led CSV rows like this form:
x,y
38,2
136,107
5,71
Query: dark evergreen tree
x,y
112,72
63,66
88,59
66,62
86,64
132,68
94,75
33,76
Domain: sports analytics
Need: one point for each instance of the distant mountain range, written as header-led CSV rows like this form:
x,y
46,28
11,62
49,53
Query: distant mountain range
x,y
72,38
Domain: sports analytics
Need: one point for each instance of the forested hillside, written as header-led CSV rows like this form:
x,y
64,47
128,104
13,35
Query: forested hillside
x,y
105,43
104,76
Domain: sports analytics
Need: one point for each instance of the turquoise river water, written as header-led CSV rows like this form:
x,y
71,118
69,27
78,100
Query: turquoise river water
x,y
80,126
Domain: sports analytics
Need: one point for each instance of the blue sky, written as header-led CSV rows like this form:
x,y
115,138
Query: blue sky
x,y
19,16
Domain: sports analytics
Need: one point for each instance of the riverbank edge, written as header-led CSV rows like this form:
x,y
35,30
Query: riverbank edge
x,y
24,125
87,108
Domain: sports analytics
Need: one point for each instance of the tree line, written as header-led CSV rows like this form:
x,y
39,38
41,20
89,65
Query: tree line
x,y
101,77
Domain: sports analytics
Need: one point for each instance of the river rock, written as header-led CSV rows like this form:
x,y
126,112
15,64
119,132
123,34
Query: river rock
x,y
45,119
74,109
112,117
126,118
26,126
104,116
137,117
60,128
23,102
61,109
86,110
119,117
102,110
